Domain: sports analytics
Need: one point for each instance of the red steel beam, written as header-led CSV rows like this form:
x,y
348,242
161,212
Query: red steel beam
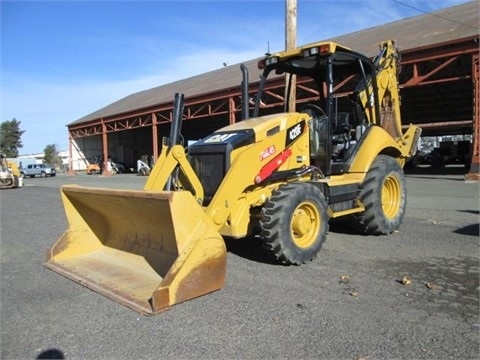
x,y
154,137
442,124
105,170
474,173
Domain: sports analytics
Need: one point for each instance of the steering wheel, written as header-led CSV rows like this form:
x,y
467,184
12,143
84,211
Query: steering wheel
x,y
313,110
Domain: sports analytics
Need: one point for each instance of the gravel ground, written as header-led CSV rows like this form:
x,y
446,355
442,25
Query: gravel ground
x,y
349,303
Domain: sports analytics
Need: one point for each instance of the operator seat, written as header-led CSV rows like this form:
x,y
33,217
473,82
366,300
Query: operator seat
x,y
318,135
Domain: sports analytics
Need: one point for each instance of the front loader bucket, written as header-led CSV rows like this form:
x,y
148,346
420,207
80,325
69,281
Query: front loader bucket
x,y
146,250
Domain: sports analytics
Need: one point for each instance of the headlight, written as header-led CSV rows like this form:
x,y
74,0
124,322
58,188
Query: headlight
x,y
271,61
262,64
310,52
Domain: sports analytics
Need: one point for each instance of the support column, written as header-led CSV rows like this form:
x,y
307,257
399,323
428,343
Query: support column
x,y
154,137
231,110
106,168
474,173
70,156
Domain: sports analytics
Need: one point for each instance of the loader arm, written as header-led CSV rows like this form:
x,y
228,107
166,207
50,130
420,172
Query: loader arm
x,y
172,169
168,162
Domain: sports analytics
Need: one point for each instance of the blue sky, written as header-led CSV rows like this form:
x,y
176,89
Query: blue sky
x,y
61,60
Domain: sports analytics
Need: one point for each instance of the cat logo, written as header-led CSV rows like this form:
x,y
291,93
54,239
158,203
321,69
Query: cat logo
x,y
219,138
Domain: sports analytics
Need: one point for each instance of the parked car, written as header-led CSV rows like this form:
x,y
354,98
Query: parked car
x,y
95,165
41,170
93,169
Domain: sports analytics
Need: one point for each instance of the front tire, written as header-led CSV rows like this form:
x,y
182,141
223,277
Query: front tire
x,y
294,223
384,196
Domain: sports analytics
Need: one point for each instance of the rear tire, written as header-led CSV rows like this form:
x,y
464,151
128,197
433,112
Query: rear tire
x,y
294,223
384,196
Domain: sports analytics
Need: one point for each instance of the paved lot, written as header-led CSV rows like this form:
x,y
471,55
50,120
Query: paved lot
x,y
265,311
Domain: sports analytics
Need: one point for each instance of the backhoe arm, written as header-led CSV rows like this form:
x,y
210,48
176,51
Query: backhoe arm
x,y
387,91
389,100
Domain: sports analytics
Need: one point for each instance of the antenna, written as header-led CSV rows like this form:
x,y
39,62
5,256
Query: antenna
x,y
268,49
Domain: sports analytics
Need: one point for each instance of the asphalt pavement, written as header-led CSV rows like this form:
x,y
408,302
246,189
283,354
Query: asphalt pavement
x,y
411,295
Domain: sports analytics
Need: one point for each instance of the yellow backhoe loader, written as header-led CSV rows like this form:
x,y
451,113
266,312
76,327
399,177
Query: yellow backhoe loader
x,y
9,174
285,174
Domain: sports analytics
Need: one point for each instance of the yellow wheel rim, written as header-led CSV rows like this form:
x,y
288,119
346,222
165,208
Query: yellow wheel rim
x,y
391,197
305,225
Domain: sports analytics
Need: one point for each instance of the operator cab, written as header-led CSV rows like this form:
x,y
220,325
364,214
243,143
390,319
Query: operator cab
x,y
338,116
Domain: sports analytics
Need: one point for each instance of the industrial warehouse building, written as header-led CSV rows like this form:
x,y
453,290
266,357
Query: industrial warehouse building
x,y
439,82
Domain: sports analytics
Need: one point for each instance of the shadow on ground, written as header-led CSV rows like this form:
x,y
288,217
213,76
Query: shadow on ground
x,y
453,170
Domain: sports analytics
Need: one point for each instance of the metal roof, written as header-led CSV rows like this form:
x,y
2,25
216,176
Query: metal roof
x,y
423,31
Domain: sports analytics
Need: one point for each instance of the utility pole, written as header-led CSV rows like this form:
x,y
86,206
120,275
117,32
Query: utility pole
x,y
291,43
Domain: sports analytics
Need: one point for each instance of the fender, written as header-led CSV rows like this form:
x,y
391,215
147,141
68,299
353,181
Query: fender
x,y
378,141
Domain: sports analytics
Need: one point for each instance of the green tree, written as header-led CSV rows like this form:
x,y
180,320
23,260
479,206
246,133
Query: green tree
x,y
52,155
10,135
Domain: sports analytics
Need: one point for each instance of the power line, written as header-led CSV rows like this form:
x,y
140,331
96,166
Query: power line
x,y
438,16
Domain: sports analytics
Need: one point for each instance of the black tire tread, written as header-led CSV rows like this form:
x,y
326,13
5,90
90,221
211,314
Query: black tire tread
x,y
274,223
372,221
